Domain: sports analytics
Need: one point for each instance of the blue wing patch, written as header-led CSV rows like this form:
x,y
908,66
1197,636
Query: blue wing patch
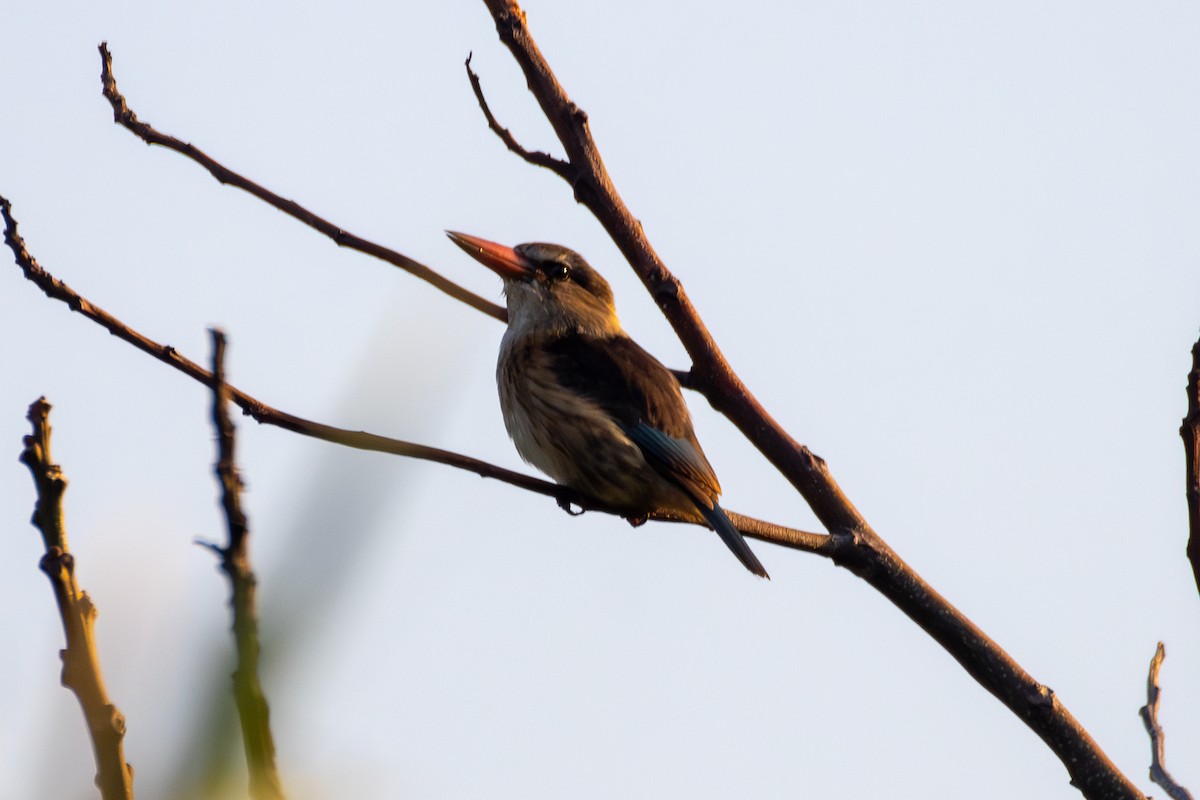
x,y
677,460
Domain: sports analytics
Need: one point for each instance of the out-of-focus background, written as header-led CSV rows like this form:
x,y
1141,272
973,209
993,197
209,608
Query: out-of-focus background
x,y
952,247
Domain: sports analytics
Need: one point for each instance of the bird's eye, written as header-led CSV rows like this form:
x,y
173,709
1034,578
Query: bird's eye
x,y
558,272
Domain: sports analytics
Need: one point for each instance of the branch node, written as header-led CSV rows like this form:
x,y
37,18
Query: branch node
x,y
56,560
666,292
257,740
583,187
539,159
512,18
80,671
116,719
216,549
1042,696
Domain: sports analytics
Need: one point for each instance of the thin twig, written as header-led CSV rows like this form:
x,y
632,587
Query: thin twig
x,y
1149,712
1190,431
536,157
540,159
711,374
125,117
235,562
81,663
261,412
854,544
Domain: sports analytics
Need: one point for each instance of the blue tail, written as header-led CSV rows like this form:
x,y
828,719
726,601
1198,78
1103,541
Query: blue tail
x,y
733,539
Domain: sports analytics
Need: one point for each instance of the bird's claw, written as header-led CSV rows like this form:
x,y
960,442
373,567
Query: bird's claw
x,y
565,505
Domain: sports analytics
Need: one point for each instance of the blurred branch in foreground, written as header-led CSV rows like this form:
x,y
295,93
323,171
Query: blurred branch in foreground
x,y
235,562
81,663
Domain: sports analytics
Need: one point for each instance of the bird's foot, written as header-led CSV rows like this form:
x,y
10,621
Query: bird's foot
x,y
565,505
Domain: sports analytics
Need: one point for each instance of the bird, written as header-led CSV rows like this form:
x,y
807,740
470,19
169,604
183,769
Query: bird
x,y
586,404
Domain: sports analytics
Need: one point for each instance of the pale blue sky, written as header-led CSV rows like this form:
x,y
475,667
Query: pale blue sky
x,y
951,246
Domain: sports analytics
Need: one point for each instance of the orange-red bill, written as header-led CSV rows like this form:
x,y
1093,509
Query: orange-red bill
x,y
504,261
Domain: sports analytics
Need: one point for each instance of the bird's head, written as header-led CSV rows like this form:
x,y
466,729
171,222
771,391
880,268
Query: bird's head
x,y
549,288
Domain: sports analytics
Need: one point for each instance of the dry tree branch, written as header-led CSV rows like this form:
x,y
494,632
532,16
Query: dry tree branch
x,y
124,116
257,741
536,157
711,374
539,159
853,543
1190,431
1149,712
81,663
262,413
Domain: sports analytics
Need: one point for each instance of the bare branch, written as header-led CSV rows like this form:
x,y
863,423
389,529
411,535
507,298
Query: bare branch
x,y
711,374
124,116
1149,712
235,562
1190,431
81,662
854,544
261,412
537,158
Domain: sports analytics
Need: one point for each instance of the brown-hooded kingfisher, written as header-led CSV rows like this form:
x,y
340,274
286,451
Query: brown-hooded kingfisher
x,y
588,406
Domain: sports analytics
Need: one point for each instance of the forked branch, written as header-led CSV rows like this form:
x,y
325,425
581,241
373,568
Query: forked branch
x,y
851,543
123,115
261,412
535,157
854,544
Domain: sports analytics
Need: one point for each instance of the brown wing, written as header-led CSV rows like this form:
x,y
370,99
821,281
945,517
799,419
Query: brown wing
x,y
643,397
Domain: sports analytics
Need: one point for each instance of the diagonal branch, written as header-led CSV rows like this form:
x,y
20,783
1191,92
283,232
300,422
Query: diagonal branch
x,y
1149,712
854,544
261,412
124,116
81,662
711,374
